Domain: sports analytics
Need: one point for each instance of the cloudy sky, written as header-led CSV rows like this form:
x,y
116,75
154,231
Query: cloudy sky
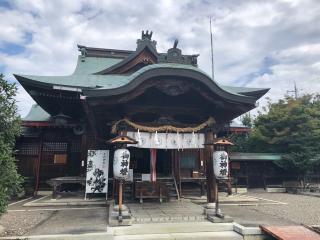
x,y
256,43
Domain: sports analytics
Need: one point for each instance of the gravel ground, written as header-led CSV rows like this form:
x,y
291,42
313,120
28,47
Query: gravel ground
x,y
299,208
20,223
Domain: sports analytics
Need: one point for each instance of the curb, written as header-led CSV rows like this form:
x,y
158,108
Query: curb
x,y
103,235
309,194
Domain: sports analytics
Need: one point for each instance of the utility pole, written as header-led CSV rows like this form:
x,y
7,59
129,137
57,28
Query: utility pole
x,y
211,39
295,91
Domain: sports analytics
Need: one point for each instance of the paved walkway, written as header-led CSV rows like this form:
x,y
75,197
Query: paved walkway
x,y
253,209
174,211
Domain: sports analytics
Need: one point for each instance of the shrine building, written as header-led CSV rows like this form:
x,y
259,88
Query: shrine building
x,y
162,100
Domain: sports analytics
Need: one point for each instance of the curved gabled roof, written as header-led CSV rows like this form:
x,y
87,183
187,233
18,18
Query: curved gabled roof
x,y
144,45
173,70
93,85
94,64
37,114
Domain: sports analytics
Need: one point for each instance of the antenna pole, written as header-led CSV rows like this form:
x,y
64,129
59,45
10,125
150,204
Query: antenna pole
x,y
211,39
295,90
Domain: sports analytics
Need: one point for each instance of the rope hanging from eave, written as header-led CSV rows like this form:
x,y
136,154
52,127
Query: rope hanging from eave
x,y
165,128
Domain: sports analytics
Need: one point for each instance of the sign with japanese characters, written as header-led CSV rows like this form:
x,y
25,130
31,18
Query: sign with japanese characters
x,y
221,164
97,171
121,163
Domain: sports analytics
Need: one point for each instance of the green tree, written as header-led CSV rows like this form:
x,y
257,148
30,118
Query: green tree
x,y
247,120
240,140
10,180
291,127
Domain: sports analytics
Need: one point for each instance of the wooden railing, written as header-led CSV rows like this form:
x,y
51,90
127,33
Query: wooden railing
x,y
176,187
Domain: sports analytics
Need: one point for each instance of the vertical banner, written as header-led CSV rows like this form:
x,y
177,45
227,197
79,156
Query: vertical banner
x,y
153,163
97,171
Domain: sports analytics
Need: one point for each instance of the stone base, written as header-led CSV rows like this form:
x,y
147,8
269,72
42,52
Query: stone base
x,y
215,219
276,190
1,230
239,190
114,220
210,209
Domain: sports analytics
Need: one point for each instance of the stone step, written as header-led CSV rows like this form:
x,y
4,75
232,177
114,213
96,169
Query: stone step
x,y
225,235
168,228
176,219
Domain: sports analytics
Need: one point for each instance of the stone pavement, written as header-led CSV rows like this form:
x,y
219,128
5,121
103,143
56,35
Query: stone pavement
x,y
174,211
250,210
164,231
228,199
47,201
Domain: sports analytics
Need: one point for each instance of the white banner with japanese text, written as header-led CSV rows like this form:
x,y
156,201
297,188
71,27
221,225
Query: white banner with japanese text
x,y
97,171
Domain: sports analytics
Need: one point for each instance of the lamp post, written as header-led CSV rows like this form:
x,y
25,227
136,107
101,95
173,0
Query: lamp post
x,y
220,167
121,163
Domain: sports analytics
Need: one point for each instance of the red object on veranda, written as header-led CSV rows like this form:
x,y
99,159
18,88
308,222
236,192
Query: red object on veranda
x,y
290,232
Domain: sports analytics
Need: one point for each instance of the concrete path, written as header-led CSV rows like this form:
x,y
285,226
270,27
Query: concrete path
x,y
73,221
164,231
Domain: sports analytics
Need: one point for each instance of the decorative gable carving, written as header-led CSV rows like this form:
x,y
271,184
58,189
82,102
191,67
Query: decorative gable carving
x,y
145,57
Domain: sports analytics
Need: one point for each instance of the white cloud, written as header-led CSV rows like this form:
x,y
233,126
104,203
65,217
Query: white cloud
x,y
246,33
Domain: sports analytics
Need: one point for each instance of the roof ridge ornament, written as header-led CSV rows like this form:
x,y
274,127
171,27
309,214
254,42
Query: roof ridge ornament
x,y
174,55
146,35
146,40
175,44
83,51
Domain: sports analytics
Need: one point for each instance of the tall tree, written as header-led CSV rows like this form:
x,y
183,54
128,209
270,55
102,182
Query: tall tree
x,y
10,180
291,127
247,120
240,140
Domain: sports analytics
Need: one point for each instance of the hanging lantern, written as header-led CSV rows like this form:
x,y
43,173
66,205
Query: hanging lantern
x,y
121,163
61,119
221,164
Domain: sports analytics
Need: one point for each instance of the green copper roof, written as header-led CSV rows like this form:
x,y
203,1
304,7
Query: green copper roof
x,y
94,64
37,114
237,156
83,76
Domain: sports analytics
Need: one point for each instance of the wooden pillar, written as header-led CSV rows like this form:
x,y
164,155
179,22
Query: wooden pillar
x,y
179,169
264,175
211,180
84,154
247,174
38,165
120,201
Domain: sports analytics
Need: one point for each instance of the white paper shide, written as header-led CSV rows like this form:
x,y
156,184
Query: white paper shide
x,y
121,163
221,164
158,140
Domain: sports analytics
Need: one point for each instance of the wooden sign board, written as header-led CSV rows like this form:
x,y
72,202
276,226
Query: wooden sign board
x,y
60,159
